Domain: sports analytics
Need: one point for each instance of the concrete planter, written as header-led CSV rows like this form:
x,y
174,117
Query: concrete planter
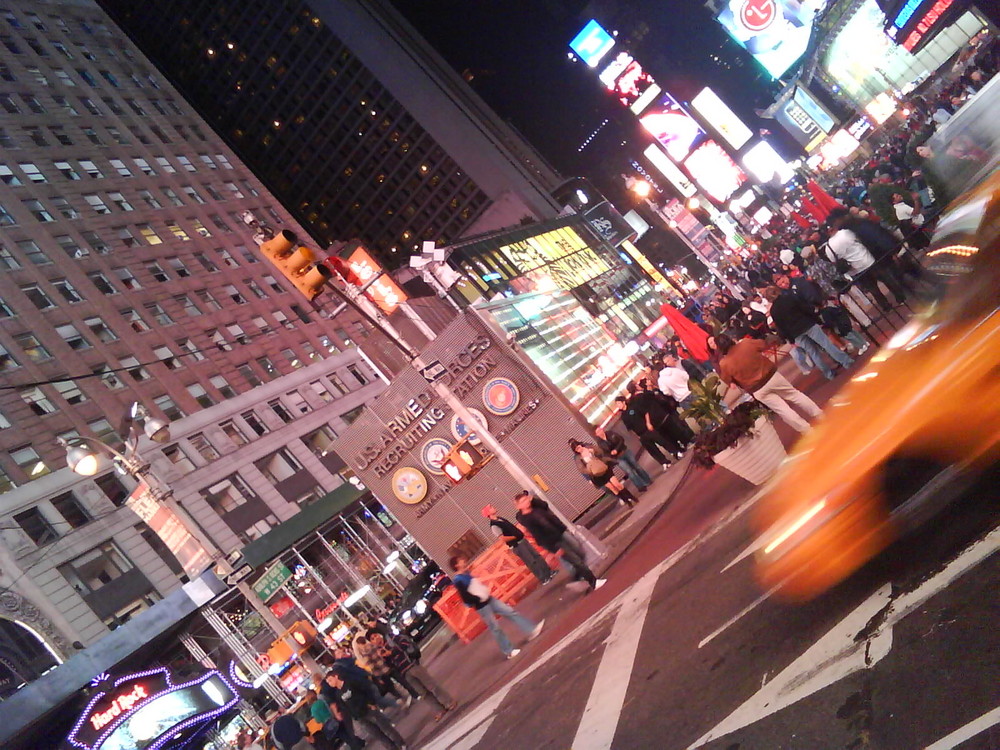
x,y
756,457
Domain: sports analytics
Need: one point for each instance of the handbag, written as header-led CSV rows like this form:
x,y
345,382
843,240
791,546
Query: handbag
x,y
596,467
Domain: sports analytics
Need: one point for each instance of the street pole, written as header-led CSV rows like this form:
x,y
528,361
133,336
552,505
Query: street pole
x,y
455,403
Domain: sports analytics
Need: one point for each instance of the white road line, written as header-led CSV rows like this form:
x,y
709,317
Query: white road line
x,y
970,730
607,697
467,724
757,544
737,617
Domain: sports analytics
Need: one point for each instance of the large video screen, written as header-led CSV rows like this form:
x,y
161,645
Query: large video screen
x,y
592,43
775,32
713,169
672,127
715,112
634,87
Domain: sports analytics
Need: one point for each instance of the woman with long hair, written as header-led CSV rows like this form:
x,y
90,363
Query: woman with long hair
x,y
598,469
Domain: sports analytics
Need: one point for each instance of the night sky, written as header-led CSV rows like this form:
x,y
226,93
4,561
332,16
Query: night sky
x,y
517,53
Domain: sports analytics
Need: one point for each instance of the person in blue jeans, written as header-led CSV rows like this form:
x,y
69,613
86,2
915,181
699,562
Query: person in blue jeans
x,y
613,445
476,594
797,320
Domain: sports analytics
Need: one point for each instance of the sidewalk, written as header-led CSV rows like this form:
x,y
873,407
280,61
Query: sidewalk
x,y
681,503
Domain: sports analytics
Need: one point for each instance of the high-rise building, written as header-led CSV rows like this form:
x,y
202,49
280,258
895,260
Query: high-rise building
x,y
348,116
129,274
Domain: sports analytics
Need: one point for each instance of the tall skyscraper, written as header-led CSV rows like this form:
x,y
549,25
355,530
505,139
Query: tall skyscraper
x,y
128,274
348,115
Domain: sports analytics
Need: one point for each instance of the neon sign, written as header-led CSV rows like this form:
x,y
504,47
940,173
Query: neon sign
x,y
119,705
121,709
930,18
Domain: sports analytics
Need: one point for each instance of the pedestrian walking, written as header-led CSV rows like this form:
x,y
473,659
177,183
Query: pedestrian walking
x,y
797,321
551,533
518,544
476,594
744,365
369,657
404,658
598,469
353,697
856,259
289,733
635,418
613,444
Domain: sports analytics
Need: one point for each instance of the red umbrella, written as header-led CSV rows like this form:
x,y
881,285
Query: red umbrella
x,y
813,210
800,219
823,199
693,337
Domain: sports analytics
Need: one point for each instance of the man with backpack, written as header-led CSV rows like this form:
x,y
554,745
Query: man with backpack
x,y
476,594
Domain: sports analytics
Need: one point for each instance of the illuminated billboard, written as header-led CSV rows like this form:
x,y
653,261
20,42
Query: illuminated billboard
x,y
670,170
672,127
764,163
715,112
805,119
592,43
775,32
713,169
634,87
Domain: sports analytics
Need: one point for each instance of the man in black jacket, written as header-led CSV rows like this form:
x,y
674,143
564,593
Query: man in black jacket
x,y
614,447
797,321
518,544
551,533
352,697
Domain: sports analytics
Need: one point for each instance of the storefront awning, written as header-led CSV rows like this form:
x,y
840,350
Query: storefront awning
x,y
310,518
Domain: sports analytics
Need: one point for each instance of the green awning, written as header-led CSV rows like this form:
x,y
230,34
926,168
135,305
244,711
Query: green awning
x,y
280,538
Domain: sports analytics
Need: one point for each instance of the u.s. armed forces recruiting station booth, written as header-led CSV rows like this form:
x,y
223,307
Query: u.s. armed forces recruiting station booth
x,y
398,444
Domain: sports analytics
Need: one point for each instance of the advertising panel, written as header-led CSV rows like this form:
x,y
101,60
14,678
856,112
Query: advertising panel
x,y
775,32
713,169
561,255
764,163
670,170
715,112
672,127
592,43
385,444
814,109
608,224
800,121
633,86
171,530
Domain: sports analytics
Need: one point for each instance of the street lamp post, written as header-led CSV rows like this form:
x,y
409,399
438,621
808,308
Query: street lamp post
x,y
83,457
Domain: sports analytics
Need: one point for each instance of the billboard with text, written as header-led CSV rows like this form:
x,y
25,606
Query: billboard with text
x,y
775,32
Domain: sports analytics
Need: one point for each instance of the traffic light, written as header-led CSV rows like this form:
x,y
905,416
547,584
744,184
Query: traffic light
x,y
298,264
303,633
463,461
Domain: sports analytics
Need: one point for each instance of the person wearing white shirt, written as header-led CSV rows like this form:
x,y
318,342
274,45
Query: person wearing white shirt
x,y
845,245
673,380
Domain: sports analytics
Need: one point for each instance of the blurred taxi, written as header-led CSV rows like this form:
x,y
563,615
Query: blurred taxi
x,y
909,430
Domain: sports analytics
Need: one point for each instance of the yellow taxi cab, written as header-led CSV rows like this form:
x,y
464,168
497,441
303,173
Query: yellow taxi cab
x,y
903,437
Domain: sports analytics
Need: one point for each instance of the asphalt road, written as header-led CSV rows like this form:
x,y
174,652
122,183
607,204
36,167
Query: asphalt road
x,y
905,654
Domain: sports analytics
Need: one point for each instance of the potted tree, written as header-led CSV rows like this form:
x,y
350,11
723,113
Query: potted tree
x,y
742,440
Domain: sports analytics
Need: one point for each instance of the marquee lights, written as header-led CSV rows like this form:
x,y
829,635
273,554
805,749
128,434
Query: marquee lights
x,y
119,704
930,18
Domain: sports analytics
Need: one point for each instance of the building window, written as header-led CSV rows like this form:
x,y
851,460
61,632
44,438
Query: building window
x,y
205,449
262,325
7,176
144,167
125,235
149,234
249,375
64,208
177,231
321,441
200,228
36,209
70,391
166,357
321,390
149,199
234,294
31,346
162,551
127,278
188,346
100,281
237,332
186,164
30,462
358,375
33,253
168,407
37,401
113,489
38,298
234,433
199,394
297,402
281,411
228,259
270,371
279,466
157,272
228,494
100,329
119,200
72,510
178,266
193,194
165,165
220,382
73,338
97,203
95,569
137,371
36,526
134,320
253,422
208,299
205,262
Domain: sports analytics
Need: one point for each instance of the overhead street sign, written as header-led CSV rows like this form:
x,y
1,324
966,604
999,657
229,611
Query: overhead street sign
x,y
239,575
269,583
433,371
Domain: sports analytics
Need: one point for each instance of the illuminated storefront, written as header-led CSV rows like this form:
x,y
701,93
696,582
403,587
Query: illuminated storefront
x,y
563,254
863,62
563,340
